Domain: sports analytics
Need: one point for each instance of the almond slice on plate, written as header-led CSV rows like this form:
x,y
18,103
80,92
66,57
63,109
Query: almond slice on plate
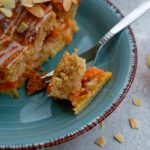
x,y
67,4
8,3
36,10
6,12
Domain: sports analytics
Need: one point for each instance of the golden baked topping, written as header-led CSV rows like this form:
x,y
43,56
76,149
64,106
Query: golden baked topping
x,y
6,12
36,10
22,27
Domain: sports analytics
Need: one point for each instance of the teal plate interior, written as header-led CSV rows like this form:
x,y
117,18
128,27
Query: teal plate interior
x,y
38,121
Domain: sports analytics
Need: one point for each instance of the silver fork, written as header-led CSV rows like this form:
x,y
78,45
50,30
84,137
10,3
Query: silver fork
x,y
92,53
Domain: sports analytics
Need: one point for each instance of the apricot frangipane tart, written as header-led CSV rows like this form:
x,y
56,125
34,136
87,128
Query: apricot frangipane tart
x,y
30,32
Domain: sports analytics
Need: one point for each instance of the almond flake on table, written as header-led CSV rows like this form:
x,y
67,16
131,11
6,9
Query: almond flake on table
x,y
119,138
101,141
133,123
148,60
102,125
137,102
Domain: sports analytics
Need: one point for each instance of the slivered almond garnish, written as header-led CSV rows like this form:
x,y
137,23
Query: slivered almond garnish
x,y
119,138
75,2
9,4
36,10
67,4
148,60
40,1
27,4
133,123
101,141
6,12
22,27
137,102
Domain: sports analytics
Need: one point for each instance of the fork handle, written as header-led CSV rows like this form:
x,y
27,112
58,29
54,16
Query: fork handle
x,y
131,17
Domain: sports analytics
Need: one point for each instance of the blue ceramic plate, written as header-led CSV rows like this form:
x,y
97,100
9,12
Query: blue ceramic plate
x,y
38,121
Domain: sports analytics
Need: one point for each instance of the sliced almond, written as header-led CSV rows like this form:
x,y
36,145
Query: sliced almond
x,y
148,60
67,4
133,123
102,125
75,2
36,10
137,102
101,141
119,137
8,3
22,27
6,12
40,1
27,3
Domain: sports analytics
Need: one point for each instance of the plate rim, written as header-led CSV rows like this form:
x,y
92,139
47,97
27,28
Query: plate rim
x,y
98,119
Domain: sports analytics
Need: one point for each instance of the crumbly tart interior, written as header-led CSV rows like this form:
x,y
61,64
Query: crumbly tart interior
x,y
67,76
30,32
71,81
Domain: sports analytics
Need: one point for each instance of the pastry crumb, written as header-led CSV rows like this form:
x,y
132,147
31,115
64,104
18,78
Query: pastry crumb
x,y
101,141
119,138
133,123
137,102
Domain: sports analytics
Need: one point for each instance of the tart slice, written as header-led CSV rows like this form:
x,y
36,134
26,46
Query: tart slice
x,y
31,31
71,81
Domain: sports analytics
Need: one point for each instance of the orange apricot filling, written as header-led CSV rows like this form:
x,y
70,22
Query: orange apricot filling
x,y
90,74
